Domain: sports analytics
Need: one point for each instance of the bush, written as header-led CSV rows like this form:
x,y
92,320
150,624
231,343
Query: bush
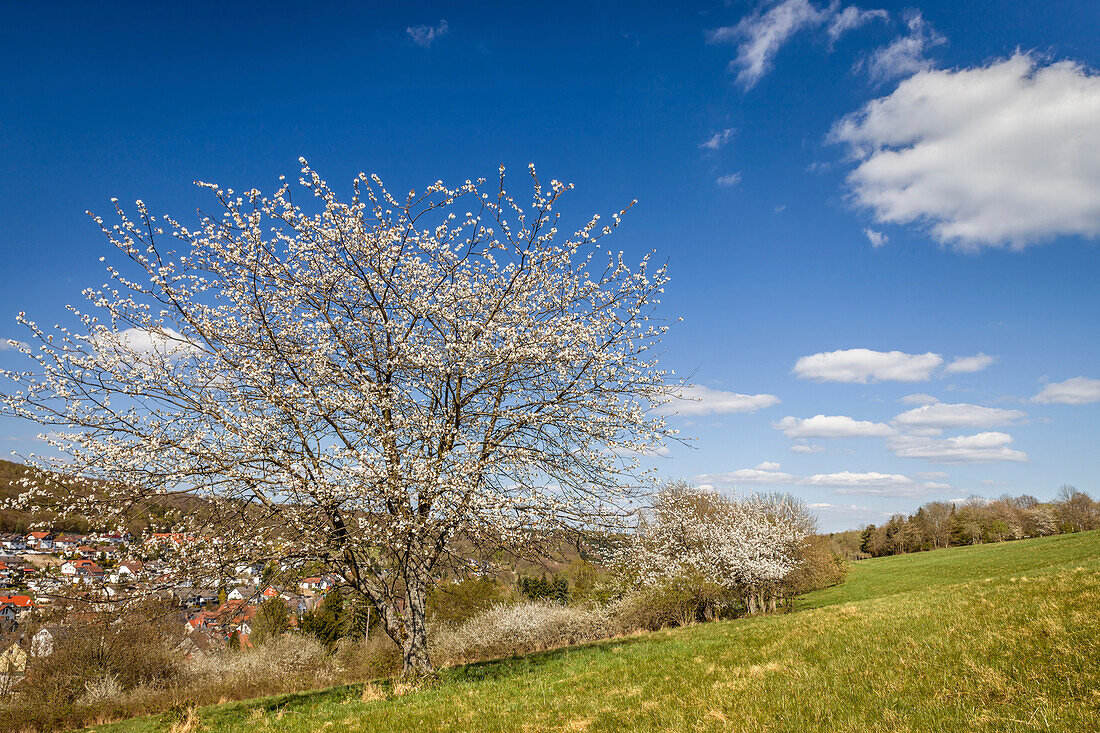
x,y
95,664
129,652
506,630
678,601
374,655
287,657
821,564
272,620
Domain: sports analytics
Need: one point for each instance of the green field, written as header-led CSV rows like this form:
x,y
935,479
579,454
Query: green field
x,y
996,637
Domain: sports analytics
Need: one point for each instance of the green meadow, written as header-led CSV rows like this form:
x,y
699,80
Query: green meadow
x,y
1002,637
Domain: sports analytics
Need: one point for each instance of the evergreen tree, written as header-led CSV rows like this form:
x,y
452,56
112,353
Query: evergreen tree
x,y
326,621
866,539
272,620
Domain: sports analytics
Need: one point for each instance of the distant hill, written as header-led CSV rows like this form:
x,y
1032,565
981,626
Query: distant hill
x,y
19,521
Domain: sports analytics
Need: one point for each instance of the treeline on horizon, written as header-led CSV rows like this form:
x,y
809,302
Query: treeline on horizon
x,y
940,524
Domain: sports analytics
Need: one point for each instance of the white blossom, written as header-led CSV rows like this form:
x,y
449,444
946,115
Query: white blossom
x,y
362,383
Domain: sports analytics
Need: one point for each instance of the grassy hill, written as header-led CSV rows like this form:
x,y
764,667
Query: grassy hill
x,y
996,637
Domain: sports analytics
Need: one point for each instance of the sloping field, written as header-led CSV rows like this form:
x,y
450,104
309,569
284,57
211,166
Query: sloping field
x,y
999,637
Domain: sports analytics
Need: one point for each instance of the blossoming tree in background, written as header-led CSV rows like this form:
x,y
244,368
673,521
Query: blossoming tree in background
x,y
365,383
747,546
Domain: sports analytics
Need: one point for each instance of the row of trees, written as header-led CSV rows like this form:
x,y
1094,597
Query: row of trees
x,y
941,524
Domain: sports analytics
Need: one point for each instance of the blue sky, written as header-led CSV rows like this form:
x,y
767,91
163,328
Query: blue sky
x,y
761,173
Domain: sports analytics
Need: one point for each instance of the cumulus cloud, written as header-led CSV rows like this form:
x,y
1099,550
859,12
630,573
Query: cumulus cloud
x,y
1075,391
718,140
831,426
873,483
760,35
996,155
746,476
804,448
969,364
905,55
141,341
866,365
877,239
768,466
943,415
985,447
842,482
828,506
423,35
699,400
729,180
919,399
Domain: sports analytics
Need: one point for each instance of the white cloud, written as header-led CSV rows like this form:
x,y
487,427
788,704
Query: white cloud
x,y
877,239
831,426
142,341
849,479
969,364
1075,391
864,365
851,18
729,180
423,35
699,400
904,56
768,466
718,140
803,448
943,415
12,344
746,476
995,155
828,506
873,483
980,448
919,399
760,35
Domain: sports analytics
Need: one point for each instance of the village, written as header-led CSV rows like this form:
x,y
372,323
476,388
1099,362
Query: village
x,y
50,581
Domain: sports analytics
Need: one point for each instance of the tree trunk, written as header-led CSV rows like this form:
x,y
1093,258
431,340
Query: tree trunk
x,y
771,604
750,604
414,641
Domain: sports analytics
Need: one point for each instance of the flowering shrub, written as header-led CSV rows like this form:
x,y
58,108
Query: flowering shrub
x,y
522,628
744,546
